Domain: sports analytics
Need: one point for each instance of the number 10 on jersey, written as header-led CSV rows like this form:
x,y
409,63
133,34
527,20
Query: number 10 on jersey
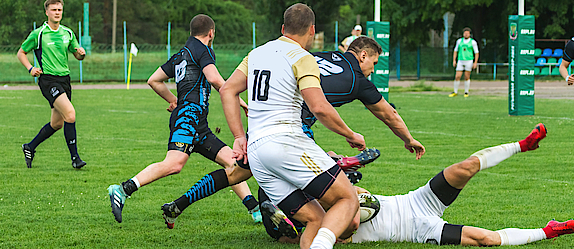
x,y
261,76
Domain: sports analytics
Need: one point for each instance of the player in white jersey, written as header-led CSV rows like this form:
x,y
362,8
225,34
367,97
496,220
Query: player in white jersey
x,y
416,216
286,163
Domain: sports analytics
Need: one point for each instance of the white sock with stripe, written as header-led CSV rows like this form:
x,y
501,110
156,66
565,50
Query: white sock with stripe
x,y
494,155
136,182
325,239
466,86
515,236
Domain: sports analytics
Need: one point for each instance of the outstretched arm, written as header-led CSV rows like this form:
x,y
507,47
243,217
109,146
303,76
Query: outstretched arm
x,y
156,82
386,113
229,94
329,117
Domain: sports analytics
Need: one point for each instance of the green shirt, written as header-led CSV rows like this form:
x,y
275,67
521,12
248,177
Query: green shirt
x,y
466,50
51,48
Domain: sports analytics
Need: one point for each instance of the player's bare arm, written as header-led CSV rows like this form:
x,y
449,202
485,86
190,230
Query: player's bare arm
x,y
454,56
329,117
564,72
80,53
156,82
386,113
474,64
24,60
229,94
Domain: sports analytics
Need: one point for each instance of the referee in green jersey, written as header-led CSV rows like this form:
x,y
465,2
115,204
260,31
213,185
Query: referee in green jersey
x,y
51,43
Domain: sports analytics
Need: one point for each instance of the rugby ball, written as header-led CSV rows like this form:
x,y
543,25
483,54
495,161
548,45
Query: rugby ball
x,y
369,206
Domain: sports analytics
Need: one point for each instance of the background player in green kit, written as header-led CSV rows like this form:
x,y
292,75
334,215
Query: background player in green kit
x,y
51,43
466,49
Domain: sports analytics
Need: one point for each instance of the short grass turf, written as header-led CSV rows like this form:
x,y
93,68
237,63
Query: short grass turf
x,y
120,132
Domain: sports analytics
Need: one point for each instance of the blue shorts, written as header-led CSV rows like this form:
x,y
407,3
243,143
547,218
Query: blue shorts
x,y
189,131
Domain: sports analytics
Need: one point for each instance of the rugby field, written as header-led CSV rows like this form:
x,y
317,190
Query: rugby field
x,y
120,132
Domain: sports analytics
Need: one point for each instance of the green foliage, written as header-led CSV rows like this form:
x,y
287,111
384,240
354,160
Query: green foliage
x,y
120,132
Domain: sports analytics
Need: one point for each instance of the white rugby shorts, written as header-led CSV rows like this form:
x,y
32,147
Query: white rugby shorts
x,y
427,210
282,163
464,65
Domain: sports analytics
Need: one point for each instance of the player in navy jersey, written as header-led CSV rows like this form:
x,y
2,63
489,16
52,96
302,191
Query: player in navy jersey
x,y
567,57
193,68
343,79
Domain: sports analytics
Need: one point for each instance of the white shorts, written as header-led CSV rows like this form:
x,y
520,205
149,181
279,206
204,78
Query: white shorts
x,y
283,163
427,210
414,217
464,65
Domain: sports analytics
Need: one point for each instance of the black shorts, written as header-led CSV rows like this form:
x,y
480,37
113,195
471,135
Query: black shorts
x,y
53,86
189,132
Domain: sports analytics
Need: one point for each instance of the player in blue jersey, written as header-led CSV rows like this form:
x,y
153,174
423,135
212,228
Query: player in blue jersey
x,y
343,80
193,68
567,57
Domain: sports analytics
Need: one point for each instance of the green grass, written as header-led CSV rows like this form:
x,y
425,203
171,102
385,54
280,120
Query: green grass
x,y
120,132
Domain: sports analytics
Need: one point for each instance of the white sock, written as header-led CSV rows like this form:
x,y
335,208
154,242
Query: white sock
x,y
494,155
515,236
136,182
325,239
456,83
466,86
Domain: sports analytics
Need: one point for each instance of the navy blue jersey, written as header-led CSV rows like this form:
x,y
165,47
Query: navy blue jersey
x,y
568,54
186,66
342,81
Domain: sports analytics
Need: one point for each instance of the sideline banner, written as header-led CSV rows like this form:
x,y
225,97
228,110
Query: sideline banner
x,y
380,31
521,65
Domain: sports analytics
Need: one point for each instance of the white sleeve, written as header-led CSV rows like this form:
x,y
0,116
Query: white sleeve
x,y
474,46
456,46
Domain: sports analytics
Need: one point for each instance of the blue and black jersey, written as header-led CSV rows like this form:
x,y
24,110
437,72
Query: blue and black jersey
x,y
186,66
568,54
343,82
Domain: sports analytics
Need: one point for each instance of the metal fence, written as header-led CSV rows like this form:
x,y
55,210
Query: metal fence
x,y
103,65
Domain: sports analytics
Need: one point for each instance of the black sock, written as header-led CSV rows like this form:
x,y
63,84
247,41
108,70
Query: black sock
x,y
44,134
70,134
129,187
208,185
250,202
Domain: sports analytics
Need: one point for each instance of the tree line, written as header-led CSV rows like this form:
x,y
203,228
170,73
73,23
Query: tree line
x,y
410,19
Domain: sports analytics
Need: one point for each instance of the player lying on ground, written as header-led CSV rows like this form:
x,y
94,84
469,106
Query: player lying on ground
x,y
416,216
193,68
343,80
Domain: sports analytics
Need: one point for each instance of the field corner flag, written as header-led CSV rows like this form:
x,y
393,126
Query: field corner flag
x,y
133,51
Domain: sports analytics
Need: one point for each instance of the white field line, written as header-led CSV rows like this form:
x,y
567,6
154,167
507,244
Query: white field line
x,y
163,141
484,172
486,113
453,135
127,111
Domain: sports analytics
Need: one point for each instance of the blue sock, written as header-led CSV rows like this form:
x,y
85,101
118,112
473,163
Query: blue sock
x,y
70,134
208,185
44,134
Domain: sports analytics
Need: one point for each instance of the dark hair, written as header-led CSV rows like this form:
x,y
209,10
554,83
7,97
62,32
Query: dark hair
x,y
298,18
48,2
466,29
200,25
365,43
